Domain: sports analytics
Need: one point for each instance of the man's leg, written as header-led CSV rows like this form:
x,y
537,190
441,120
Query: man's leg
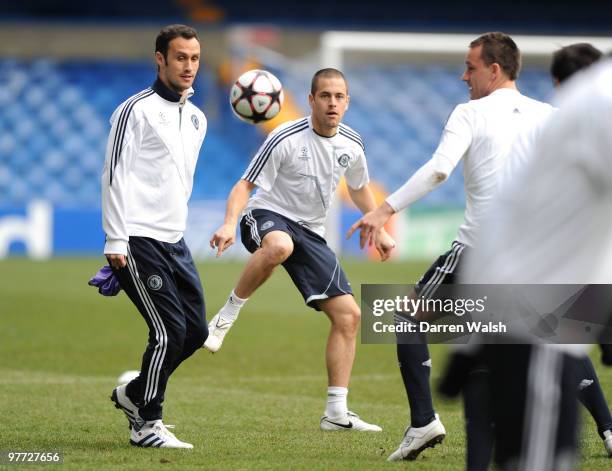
x,y
161,309
276,247
591,396
478,421
466,373
415,367
535,413
148,281
426,429
192,301
344,315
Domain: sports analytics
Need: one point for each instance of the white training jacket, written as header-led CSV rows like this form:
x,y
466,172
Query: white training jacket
x,y
151,156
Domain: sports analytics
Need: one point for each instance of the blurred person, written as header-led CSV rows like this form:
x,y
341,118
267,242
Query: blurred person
x,y
552,222
568,60
565,63
480,133
296,172
152,151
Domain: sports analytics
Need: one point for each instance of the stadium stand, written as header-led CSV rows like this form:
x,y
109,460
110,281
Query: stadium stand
x,y
54,131
402,129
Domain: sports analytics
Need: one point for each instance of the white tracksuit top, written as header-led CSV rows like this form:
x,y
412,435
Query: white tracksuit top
x,y
151,156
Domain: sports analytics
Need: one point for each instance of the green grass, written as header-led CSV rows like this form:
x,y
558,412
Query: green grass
x,y
254,405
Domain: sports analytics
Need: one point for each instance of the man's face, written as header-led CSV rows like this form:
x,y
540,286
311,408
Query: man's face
x,y
179,69
478,76
329,103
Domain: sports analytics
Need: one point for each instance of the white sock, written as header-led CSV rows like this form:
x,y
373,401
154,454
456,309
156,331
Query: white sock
x,y
230,311
336,402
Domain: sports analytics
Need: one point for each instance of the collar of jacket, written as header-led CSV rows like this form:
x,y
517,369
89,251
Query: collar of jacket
x,y
160,88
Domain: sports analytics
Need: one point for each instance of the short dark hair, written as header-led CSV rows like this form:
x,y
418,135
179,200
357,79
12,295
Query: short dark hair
x,y
326,73
570,59
170,32
500,48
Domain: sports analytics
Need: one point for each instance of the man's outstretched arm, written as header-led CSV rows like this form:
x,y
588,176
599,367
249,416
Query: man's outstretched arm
x,y
225,236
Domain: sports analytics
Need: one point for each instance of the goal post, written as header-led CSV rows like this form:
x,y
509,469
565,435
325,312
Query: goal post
x,y
334,44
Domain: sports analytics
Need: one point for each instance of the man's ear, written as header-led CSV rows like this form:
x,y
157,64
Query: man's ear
x,y
496,70
160,59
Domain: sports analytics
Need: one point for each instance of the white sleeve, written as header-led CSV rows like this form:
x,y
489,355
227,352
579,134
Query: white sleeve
x,y
357,174
263,169
122,148
456,140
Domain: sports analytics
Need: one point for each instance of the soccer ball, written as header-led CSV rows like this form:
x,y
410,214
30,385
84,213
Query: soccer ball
x,y
256,96
127,376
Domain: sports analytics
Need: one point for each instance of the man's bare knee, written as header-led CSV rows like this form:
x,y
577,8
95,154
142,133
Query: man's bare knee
x,y
347,319
277,247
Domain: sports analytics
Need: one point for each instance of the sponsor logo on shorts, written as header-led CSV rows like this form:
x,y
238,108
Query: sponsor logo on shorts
x,y
155,282
267,225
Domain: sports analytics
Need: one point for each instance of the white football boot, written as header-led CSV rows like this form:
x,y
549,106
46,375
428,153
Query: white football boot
x,y
417,439
124,403
155,434
351,422
218,328
608,442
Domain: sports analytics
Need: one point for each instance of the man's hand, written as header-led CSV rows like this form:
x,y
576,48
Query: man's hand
x,y
223,238
116,260
370,224
384,244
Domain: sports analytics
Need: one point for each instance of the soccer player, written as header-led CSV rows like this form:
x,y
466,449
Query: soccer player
x,y
565,63
296,172
480,132
559,205
152,151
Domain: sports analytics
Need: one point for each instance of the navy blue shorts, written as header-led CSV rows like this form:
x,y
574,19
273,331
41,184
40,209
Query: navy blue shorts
x,y
312,266
442,272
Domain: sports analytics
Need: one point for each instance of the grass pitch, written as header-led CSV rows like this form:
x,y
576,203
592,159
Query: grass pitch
x,y
254,405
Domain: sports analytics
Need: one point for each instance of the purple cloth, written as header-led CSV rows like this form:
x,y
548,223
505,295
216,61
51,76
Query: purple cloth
x,y
106,282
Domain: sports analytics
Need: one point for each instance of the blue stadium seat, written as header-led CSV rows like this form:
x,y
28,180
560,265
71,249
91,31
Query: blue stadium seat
x,y
54,123
401,130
